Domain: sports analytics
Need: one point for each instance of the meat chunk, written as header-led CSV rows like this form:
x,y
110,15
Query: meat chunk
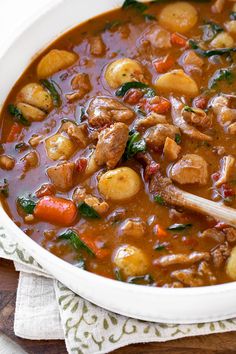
x,y
31,160
105,111
80,195
225,114
157,37
227,165
78,133
97,46
149,121
192,59
173,259
230,234
214,234
81,85
133,228
7,162
111,145
198,117
171,149
62,176
156,136
188,277
190,169
220,254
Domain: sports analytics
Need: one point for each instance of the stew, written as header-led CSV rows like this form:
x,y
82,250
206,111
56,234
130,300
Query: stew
x,y
110,115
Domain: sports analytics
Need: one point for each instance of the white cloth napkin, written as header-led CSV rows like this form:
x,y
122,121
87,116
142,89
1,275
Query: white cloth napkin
x,y
46,309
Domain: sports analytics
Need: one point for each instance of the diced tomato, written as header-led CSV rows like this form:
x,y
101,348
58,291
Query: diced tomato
x,y
45,189
178,39
133,96
163,65
81,164
14,132
157,104
215,176
227,191
200,102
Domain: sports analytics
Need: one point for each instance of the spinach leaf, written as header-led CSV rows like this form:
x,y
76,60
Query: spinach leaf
x,y
178,139
27,204
87,211
21,146
4,188
179,227
210,31
149,92
188,109
75,241
53,91
232,15
18,116
209,53
141,279
139,6
134,145
158,199
221,75
160,246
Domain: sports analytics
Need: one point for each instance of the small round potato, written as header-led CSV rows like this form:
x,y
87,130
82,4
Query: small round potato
x,y
33,114
178,17
119,184
59,147
35,95
131,260
231,265
222,40
177,81
55,61
122,71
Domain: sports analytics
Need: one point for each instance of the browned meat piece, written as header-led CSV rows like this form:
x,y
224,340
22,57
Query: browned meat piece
x,y
198,117
178,217
158,37
45,190
97,46
192,59
220,254
62,175
79,133
111,145
214,234
31,160
190,169
230,233
133,227
226,115
191,258
105,111
81,85
227,166
7,162
80,195
149,121
35,140
171,149
188,277
155,137
117,215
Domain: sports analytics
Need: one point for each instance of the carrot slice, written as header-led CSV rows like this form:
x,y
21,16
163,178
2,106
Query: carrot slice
x,y
161,233
14,132
177,39
100,253
56,210
162,66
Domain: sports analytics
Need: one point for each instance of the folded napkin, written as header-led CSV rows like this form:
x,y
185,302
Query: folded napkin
x,y
46,309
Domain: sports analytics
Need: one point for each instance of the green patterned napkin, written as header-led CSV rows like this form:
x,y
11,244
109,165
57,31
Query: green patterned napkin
x,y
46,309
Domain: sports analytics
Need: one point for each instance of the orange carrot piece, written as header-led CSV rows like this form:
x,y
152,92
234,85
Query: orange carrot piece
x,y
100,253
159,105
14,132
177,39
161,233
162,66
56,210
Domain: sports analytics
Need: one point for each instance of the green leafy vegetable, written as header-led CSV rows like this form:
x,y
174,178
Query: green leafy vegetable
x,y
134,145
178,139
75,241
149,17
221,75
209,53
179,227
160,246
18,116
158,199
232,15
21,146
149,92
210,31
4,188
139,6
53,91
112,24
141,279
87,211
27,204
188,109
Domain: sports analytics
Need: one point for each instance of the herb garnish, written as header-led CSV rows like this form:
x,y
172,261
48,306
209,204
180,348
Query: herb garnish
x,y
21,146
87,211
149,92
210,31
27,204
221,75
158,199
139,280
188,109
75,241
179,227
178,139
209,53
53,91
4,188
134,145
18,115
139,6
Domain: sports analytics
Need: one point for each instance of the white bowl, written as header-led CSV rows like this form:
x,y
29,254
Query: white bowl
x,y
190,305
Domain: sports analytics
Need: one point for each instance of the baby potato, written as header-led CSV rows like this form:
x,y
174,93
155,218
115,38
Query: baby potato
x,y
59,147
122,71
131,260
35,95
177,81
55,61
222,40
231,264
119,184
178,17
33,114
